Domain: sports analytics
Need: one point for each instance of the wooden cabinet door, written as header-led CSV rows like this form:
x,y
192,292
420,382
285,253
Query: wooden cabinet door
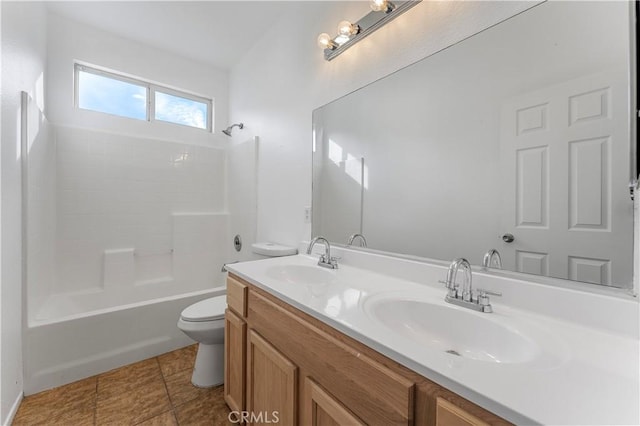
x,y
448,414
322,409
271,382
235,337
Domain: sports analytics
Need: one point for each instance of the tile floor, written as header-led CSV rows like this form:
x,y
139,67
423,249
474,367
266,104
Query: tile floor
x,y
156,391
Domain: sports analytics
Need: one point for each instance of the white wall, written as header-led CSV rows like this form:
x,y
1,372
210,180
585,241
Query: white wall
x,y
23,63
284,77
70,41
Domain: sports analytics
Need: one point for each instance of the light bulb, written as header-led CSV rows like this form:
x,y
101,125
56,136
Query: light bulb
x,y
381,6
378,5
347,29
325,42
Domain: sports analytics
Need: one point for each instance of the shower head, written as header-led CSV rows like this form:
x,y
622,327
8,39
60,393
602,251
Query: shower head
x,y
228,130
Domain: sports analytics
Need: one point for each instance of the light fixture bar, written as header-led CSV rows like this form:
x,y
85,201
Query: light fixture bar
x,y
370,23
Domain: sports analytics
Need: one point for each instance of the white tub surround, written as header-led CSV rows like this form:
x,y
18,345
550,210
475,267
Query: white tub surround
x,y
570,357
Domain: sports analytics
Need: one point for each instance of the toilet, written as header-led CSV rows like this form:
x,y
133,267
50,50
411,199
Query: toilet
x,y
204,322
265,250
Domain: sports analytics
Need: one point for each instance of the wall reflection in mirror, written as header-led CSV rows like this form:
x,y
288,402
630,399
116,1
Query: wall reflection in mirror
x,y
522,129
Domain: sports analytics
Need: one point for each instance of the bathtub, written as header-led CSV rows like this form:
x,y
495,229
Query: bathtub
x,y
78,335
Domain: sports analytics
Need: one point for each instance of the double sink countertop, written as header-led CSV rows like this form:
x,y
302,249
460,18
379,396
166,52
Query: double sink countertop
x,y
523,365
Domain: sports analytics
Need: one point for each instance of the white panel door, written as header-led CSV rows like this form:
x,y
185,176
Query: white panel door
x,y
565,162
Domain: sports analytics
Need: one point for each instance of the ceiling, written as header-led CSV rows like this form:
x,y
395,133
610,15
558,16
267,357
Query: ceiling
x,y
214,32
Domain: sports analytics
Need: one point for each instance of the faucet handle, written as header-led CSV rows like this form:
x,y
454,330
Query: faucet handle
x,y
450,285
323,258
483,292
451,288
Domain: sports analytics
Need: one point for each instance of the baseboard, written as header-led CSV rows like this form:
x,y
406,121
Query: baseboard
x,y
14,410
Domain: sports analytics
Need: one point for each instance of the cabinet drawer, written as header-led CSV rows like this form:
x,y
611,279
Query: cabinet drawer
x,y
448,414
237,295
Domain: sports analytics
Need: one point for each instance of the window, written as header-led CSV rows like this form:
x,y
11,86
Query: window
x,y
180,110
110,93
105,93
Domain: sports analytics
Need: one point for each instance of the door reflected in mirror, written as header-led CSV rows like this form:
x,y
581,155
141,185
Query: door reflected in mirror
x,y
523,130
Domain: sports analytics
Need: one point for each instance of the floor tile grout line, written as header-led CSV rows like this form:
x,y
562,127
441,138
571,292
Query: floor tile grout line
x,y
164,382
166,388
176,372
146,382
95,403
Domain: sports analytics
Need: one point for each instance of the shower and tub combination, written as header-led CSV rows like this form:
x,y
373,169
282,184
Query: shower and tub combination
x,y
122,233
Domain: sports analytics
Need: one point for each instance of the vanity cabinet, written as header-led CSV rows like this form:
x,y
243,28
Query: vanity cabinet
x,y
312,374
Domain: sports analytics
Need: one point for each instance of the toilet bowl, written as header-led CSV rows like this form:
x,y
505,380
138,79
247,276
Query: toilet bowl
x,y
204,322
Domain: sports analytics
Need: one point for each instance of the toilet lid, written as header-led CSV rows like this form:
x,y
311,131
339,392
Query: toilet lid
x,y
206,310
273,249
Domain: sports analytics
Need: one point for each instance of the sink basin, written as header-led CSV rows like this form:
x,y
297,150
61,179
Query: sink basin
x,y
470,335
301,274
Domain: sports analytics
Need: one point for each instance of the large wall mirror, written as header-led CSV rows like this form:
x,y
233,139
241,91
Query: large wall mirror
x,y
522,130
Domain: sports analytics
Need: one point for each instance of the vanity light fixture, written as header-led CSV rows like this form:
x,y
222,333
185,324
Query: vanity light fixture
x,y
383,11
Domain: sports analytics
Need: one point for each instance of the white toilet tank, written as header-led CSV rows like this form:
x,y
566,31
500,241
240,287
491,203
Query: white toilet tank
x,y
264,250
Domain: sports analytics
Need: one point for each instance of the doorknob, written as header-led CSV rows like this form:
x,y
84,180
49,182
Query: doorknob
x,y
508,238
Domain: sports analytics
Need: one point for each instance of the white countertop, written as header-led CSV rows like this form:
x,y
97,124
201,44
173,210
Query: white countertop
x,y
583,375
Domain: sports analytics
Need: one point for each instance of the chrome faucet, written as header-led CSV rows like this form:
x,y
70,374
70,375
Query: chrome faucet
x,y
466,297
492,257
452,286
363,240
326,261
